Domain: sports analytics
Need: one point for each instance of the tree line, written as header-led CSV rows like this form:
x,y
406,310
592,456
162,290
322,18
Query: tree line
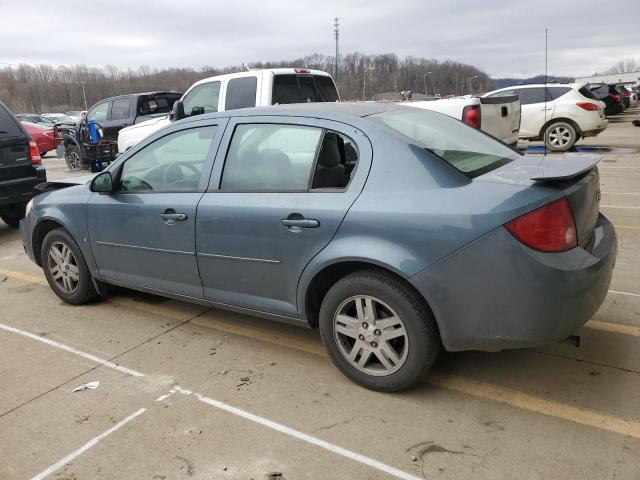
x,y
45,88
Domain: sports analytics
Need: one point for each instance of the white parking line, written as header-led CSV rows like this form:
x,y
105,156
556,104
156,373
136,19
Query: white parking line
x,y
619,206
370,462
625,293
61,346
62,462
620,193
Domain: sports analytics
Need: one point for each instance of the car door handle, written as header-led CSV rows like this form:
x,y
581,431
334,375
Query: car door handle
x,y
300,222
170,216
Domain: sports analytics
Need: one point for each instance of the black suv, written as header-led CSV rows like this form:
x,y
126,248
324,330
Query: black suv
x,y
20,168
612,95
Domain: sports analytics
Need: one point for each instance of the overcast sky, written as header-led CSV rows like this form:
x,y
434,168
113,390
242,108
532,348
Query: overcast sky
x,y
502,37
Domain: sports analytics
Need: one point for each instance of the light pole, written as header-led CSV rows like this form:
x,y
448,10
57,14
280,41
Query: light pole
x,y
424,77
469,79
84,96
364,83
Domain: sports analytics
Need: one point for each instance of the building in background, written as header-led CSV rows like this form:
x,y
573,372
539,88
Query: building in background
x,y
629,78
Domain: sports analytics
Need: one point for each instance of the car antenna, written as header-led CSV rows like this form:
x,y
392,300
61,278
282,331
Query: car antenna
x,y
546,71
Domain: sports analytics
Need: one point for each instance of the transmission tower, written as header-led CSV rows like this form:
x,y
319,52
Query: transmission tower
x,y
336,32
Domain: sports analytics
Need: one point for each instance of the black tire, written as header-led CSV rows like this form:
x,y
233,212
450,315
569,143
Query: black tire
x,y
560,136
42,154
12,214
419,323
84,290
73,157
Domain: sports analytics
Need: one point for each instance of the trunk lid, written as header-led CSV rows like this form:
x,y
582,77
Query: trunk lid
x,y
15,162
573,175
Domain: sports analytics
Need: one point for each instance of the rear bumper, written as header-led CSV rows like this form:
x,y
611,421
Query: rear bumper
x,y
594,133
20,190
496,293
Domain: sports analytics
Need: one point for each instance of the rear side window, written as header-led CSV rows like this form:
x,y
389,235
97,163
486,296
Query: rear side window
x,y
241,93
267,157
202,99
8,126
465,148
557,92
120,108
585,92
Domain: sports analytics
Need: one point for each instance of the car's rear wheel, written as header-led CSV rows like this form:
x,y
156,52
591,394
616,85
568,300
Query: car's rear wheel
x,y
560,136
65,268
378,331
12,214
73,158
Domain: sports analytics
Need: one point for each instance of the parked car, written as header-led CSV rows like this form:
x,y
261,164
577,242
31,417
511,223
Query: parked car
x,y
112,115
499,116
75,115
630,97
34,118
558,114
20,167
255,88
612,97
58,118
393,230
44,136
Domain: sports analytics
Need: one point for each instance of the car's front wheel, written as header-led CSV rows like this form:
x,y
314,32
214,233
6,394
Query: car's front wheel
x,y
73,157
378,331
65,268
560,136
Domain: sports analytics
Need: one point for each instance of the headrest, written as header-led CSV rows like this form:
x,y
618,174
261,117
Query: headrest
x,y
330,154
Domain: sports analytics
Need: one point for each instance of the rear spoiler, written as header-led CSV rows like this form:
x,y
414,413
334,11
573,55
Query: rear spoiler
x,y
564,168
497,100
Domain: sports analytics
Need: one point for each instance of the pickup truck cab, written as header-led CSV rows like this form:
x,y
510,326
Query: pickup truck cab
x,y
499,117
253,88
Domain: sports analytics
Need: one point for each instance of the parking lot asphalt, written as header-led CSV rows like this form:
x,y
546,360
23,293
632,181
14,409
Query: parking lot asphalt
x,y
192,392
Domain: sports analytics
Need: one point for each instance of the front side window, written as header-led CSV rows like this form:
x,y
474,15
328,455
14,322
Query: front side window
x,y
173,163
120,109
465,148
530,96
202,99
99,113
241,93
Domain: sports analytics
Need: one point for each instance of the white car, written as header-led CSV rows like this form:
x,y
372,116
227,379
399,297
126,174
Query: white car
x,y
254,88
499,117
559,114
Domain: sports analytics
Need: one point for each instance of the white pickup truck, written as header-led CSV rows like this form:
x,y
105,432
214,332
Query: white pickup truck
x,y
254,88
499,116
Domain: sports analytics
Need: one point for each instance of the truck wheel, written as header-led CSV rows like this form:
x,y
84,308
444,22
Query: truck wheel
x,y
65,268
560,136
73,158
378,331
12,214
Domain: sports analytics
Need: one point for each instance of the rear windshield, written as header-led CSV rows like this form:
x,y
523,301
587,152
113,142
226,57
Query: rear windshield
x,y
8,126
151,104
292,88
467,149
585,92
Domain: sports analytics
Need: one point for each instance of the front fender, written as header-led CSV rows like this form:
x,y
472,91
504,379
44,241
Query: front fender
x,y
374,251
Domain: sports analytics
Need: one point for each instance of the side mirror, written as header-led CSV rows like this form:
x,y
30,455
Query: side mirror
x,y
178,111
102,183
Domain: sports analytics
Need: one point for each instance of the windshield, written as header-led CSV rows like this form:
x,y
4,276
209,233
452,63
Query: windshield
x,y
465,148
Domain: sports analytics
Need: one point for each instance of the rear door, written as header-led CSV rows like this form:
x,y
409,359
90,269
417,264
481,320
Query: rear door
x,y
14,149
278,194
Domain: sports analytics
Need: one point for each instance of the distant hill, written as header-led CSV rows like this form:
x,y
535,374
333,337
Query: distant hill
x,y
508,82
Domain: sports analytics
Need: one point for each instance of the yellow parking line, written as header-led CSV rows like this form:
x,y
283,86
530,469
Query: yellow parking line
x,y
619,206
614,328
628,227
24,276
454,383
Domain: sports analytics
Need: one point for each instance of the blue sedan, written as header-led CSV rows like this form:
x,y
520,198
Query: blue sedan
x,y
394,231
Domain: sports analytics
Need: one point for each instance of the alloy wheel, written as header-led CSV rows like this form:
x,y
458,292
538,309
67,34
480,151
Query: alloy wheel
x,y
370,335
63,267
559,137
73,161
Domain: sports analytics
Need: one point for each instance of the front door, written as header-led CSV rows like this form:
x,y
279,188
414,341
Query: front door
x,y
535,112
276,200
144,233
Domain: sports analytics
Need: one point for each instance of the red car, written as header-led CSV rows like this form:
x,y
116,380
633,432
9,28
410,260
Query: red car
x,y
43,136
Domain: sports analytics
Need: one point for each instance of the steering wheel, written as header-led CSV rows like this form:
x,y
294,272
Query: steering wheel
x,y
165,179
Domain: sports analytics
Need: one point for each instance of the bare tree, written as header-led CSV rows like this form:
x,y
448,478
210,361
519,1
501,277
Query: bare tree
x,y
624,65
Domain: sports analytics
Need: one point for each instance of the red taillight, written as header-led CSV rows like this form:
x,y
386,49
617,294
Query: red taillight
x,y
471,115
34,154
302,70
615,96
626,94
548,229
591,107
